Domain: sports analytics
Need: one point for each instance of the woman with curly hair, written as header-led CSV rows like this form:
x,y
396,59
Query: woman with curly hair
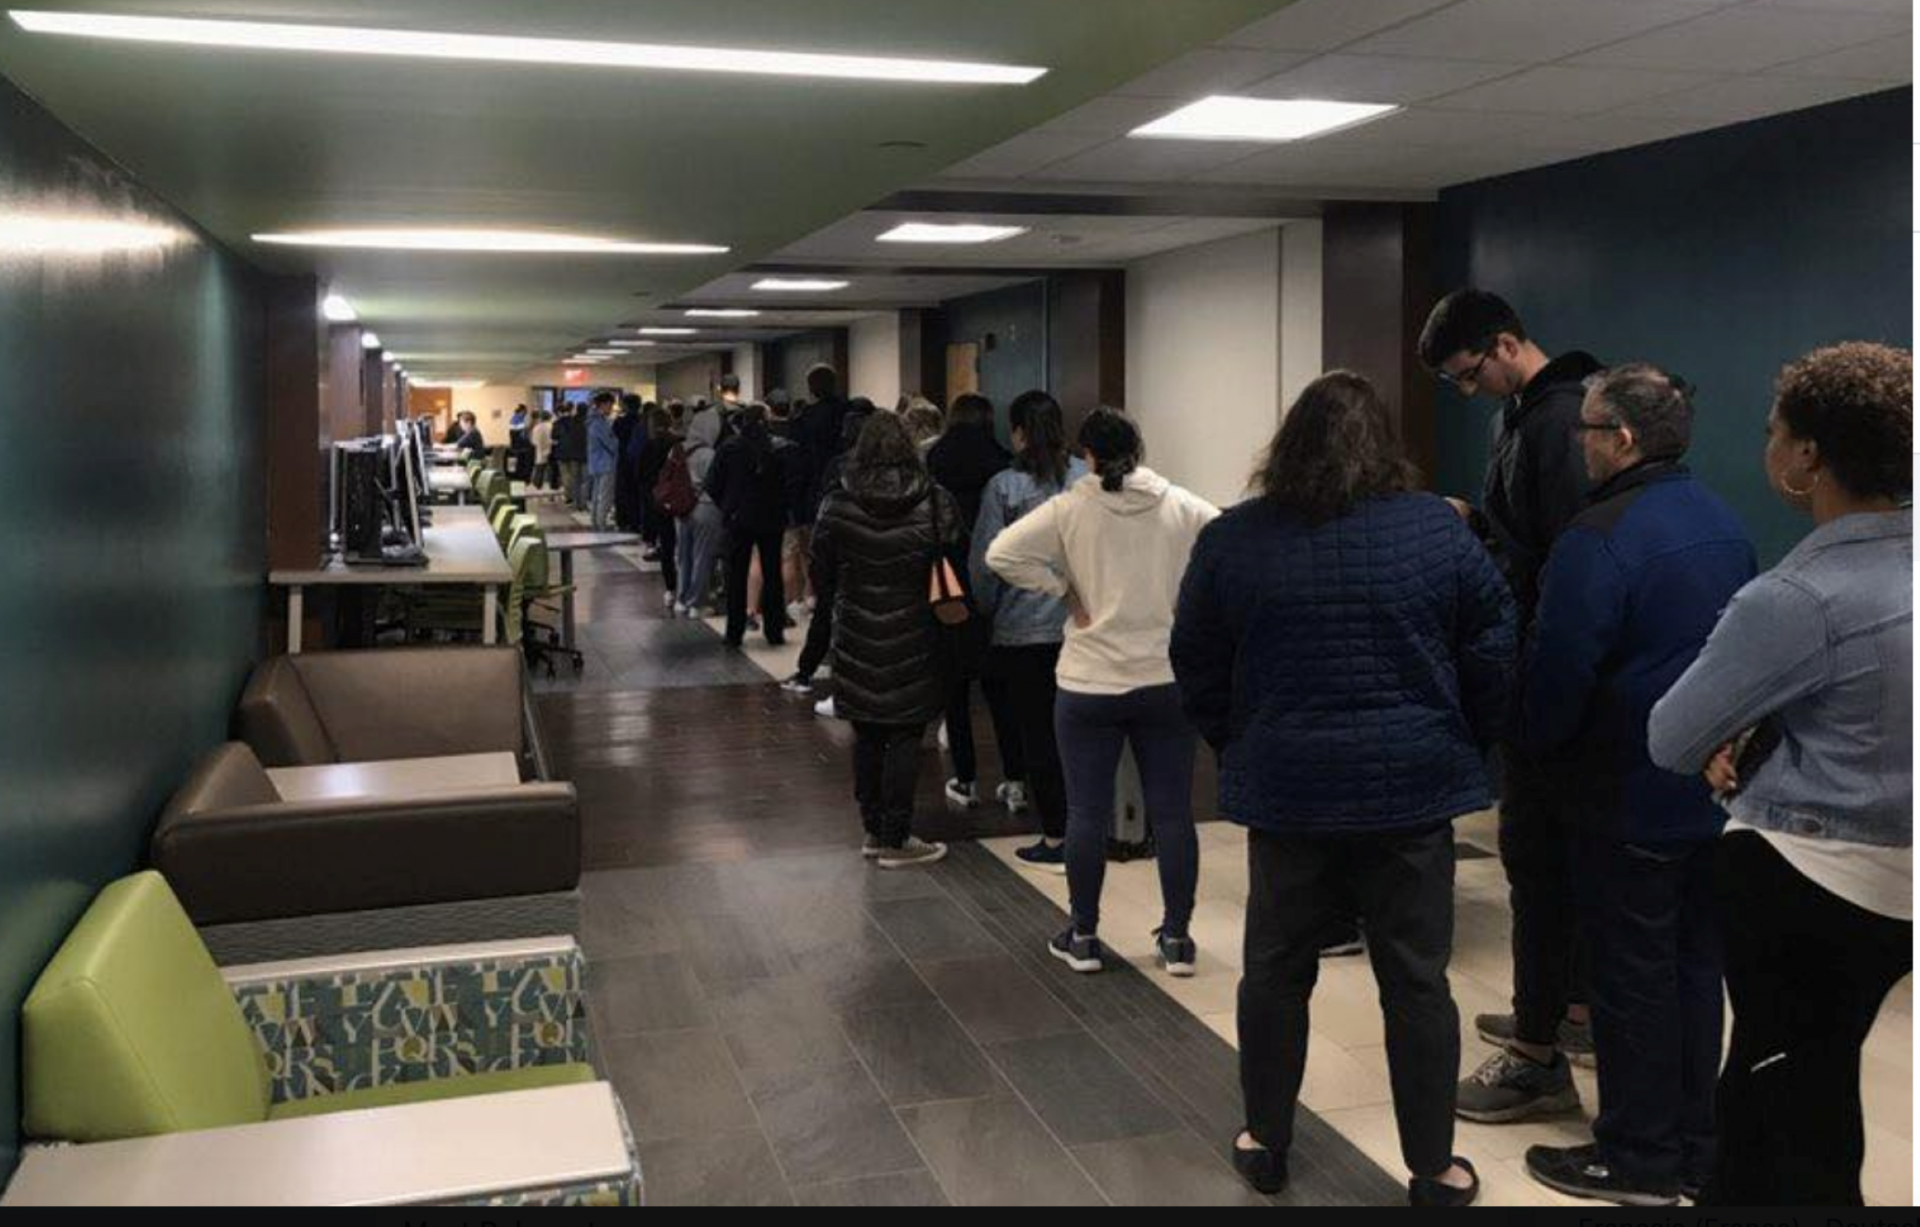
x,y
1800,714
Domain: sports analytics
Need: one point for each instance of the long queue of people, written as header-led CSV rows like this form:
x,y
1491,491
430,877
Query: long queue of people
x,y
1704,771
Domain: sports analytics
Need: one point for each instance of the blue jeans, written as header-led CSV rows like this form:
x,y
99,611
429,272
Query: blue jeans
x,y
1091,729
602,484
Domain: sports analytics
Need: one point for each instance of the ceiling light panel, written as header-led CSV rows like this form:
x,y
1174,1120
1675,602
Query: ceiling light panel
x,y
1223,118
524,242
929,232
558,52
338,310
722,313
669,332
796,285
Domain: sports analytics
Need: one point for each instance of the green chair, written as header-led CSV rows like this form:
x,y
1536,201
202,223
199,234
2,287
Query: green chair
x,y
162,1080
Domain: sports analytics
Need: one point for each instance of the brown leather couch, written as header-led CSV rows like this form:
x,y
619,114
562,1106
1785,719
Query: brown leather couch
x,y
356,707
322,877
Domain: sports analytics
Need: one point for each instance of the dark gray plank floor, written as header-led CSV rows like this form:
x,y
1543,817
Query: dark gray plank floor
x,y
788,1025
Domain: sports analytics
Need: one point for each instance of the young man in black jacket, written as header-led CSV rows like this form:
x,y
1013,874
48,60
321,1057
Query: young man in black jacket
x,y
1536,484
752,484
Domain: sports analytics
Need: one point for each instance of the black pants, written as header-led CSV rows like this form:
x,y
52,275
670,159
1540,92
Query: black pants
x,y
1807,973
1401,887
1536,849
669,546
1651,926
742,541
1025,677
960,744
886,773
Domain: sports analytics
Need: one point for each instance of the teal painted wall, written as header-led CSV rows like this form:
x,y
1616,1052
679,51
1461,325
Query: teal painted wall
x,y
132,544
1017,318
1723,256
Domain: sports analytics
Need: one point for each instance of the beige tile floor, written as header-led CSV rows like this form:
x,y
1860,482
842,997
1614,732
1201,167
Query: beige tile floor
x,y
1346,1083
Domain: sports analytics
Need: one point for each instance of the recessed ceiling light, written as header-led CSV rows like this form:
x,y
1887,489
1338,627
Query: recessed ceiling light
x,y
523,242
48,234
338,310
798,285
1223,118
369,340
562,52
929,232
669,332
721,313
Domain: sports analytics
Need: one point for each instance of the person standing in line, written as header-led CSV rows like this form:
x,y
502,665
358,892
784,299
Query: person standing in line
x,y
664,528
519,447
750,484
1113,548
963,460
783,424
630,436
702,534
819,642
570,453
1346,645
1629,594
1799,712
603,459
540,438
1536,484
875,542
1028,627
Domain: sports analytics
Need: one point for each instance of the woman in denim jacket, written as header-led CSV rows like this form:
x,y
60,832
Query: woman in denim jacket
x,y
1028,627
1800,714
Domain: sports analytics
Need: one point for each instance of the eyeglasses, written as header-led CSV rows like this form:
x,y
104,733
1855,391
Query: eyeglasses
x,y
1585,427
1466,379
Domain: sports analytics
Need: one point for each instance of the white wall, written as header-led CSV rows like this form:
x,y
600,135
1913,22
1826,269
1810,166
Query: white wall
x,y
873,351
746,364
1219,339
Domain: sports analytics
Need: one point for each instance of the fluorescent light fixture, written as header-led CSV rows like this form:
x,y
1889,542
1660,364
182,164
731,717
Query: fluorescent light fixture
x,y
624,345
455,385
798,285
338,310
560,52
512,242
929,232
669,332
720,313
50,234
369,340
1223,118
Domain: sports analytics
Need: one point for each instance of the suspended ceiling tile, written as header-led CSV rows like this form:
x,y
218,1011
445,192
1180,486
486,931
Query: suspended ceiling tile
x,y
1321,25
1377,78
1568,90
1147,161
1215,70
1527,31
1750,38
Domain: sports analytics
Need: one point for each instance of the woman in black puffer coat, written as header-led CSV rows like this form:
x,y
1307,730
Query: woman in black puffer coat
x,y
874,545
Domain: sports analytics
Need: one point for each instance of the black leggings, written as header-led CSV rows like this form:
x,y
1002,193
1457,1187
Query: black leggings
x,y
1024,676
1807,972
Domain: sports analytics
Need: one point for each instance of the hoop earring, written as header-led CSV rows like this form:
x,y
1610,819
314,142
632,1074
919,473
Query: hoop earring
x,y
1806,493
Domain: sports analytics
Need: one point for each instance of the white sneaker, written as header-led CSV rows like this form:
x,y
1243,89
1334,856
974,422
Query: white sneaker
x,y
1013,795
798,612
826,708
943,737
967,796
667,599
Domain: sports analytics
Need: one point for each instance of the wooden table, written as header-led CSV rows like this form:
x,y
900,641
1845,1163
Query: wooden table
x,y
566,545
461,552
399,777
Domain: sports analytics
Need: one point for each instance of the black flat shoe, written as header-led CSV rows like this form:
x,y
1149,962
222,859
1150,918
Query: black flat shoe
x,y
1264,1173
1427,1193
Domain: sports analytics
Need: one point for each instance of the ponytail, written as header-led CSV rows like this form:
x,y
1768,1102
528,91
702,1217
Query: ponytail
x,y
1114,442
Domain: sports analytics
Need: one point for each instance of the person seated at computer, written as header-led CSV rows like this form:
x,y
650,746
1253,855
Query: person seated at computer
x,y
470,440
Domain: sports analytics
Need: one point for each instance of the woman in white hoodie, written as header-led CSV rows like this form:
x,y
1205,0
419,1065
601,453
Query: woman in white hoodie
x,y
1114,547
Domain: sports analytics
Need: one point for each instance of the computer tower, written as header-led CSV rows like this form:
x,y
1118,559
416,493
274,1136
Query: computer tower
x,y
360,499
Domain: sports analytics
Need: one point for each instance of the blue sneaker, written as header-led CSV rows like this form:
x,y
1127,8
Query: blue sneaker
x,y
1178,955
1082,954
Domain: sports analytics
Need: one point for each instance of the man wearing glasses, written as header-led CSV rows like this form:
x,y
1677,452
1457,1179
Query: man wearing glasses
x,y
1630,593
1536,484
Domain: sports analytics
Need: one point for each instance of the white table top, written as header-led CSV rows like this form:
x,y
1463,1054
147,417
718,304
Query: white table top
x,y
400,777
452,1150
448,481
461,549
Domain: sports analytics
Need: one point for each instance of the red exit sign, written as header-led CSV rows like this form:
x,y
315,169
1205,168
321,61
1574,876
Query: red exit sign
x,y
575,376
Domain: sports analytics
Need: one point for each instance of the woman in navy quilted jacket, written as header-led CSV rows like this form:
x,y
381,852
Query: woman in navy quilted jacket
x,y
1345,644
